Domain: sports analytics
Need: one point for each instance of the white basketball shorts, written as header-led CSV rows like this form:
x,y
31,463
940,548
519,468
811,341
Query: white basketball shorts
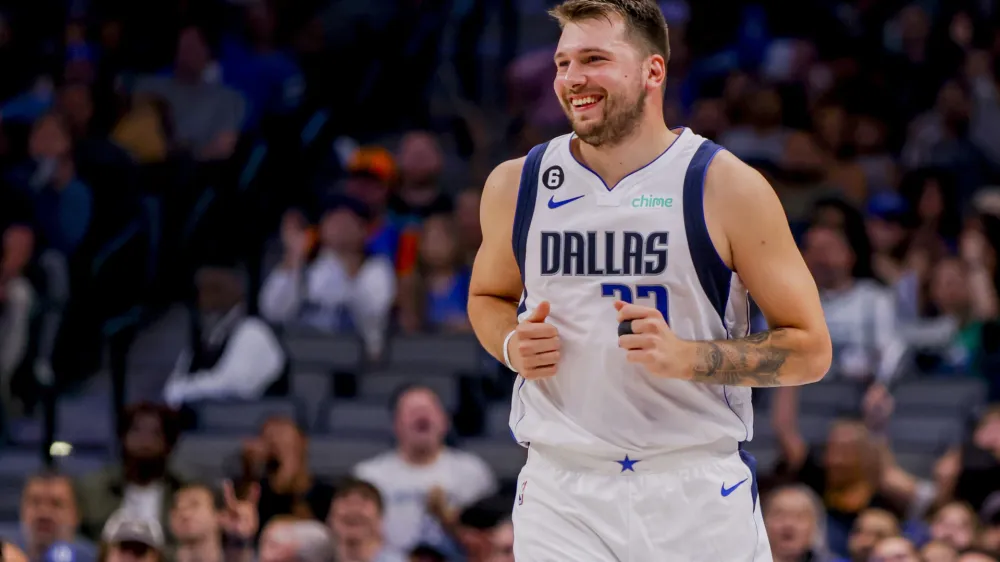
x,y
672,508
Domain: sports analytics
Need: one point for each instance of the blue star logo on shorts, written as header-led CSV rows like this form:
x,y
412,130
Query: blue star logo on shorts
x,y
627,464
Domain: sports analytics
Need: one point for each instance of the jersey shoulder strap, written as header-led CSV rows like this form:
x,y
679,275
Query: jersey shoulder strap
x,y
527,193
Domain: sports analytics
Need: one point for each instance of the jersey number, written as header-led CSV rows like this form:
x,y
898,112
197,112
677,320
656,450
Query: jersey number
x,y
659,294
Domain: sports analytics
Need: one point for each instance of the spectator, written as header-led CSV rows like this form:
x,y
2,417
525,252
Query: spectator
x,y
356,521
763,138
961,297
372,173
236,356
936,551
977,555
50,520
278,460
860,314
268,79
421,163
895,549
421,462
291,540
129,536
470,232
142,484
16,294
989,538
844,472
795,524
11,553
206,117
342,288
503,542
203,526
955,524
62,202
871,526
433,297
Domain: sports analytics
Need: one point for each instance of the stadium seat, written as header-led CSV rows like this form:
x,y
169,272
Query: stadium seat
x,y
834,398
498,420
931,433
205,456
814,428
920,465
359,418
311,389
10,530
381,386
79,464
449,353
941,396
332,457
17,464
312,350
245,417
504,456
10,503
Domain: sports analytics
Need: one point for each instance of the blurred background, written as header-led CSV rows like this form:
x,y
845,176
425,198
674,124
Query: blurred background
x,y
237,239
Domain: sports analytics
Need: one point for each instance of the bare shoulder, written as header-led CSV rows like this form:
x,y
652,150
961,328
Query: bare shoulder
x,y
502,186
731,184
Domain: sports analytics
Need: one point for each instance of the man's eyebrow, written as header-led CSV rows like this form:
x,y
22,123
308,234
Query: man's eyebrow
x,y
561,54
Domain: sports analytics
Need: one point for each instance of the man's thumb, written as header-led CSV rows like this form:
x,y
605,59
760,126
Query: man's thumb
x,y
540,313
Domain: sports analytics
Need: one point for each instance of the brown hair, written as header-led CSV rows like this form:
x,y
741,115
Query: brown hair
x,y
355,486
643,20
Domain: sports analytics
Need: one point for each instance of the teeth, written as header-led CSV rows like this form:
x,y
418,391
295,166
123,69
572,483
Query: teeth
x,y
578,102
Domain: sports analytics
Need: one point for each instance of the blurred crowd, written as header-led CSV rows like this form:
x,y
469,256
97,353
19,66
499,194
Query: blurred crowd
x,y
227,155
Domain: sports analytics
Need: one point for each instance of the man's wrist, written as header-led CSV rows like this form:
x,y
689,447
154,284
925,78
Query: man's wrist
x,y
506,350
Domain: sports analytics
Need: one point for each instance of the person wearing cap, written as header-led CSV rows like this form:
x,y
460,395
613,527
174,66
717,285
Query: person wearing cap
x,y
338,287
130,537
372,174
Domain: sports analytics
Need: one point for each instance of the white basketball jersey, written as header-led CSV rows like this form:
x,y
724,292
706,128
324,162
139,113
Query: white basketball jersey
x,y
581,245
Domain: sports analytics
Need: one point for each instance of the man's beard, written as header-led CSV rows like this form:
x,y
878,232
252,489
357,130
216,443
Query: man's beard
x,y
619,118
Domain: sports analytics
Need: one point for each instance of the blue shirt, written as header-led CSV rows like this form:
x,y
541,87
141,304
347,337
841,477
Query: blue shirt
x,y
449,303
271,82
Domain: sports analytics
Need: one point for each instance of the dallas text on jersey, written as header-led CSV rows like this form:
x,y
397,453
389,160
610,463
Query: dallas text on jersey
x,y
625,253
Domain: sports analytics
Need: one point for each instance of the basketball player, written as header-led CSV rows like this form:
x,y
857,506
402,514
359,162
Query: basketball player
x,y
626,227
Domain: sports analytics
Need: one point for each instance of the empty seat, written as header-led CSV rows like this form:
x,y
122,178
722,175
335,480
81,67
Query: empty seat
x,y
939,396
349,417
310,349
932,432
205,456
17,464
919,465
814,429
504,456
498,420
381,386
244,417
311,390
453,352
830,398
10,530
85,421
10,503
333,457
78,464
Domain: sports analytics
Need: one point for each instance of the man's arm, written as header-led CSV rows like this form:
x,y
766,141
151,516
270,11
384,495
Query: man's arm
x,y
744,213
496,286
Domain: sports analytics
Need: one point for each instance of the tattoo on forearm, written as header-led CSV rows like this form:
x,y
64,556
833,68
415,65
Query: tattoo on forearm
x,y
755,360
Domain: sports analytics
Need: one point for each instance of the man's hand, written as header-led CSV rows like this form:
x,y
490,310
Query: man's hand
x,y
239,518
652,343
534,349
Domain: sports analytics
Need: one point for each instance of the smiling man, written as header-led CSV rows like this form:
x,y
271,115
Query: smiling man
x,y
614,277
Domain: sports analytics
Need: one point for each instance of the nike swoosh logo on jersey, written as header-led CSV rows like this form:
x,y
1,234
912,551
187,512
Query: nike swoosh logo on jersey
x,y
553,204
726,491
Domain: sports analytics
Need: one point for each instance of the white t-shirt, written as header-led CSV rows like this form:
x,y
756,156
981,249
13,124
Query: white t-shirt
x,y
144,501
465,478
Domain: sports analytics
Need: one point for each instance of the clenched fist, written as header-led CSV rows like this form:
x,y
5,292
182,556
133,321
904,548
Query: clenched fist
x,y
534,348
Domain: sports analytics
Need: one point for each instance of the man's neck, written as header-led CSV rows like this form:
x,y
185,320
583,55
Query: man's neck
x,y
613,163
364,551
421,458
208,549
